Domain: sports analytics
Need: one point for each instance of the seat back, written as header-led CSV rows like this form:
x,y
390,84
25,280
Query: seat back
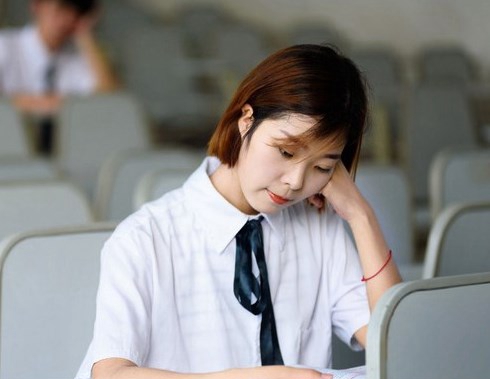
x,y
120,174
13,141
459,241
229,48
459,175
41,204
199,24
94,127
48,288
438,117
158,182
431,329
24,168
117,21
154,69
387,190
446,64
316,34
380,65
16,13
169,83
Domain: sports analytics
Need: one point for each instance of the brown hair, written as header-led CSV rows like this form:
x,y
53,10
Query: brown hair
x,y
312,80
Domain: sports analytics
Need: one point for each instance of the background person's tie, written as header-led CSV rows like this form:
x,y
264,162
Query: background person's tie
x,y
46,124
49,77
253,293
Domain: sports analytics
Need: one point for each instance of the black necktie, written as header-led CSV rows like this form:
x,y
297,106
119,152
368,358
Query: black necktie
x,y
49,77
47,122
249,241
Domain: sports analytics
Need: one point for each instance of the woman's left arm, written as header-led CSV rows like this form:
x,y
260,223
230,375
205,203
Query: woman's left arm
x,y
380,272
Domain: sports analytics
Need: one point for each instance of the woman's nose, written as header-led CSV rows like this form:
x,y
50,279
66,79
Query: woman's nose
x,y
294,177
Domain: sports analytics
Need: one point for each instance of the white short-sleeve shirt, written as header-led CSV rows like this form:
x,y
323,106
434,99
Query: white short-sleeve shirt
x,y
166,297
24,60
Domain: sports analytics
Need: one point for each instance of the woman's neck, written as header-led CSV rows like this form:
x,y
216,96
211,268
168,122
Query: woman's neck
x,y
227,183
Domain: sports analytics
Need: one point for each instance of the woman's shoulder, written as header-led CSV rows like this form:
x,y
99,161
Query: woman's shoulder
x,y
155,217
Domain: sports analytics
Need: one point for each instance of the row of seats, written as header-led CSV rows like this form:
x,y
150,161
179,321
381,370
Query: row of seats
x,y
184,69
140,164
47,302
91,129
129,178
34,195
183,92
203,28
436,118
203,25
184,95
89,155
132,177
188,66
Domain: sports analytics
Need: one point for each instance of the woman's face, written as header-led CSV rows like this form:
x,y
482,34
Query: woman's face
x,y
273,175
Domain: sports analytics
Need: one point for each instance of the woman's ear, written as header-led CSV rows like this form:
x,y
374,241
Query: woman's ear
x,y
246,120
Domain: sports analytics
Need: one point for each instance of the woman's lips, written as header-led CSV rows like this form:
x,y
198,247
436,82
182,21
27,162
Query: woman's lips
x,y
277,199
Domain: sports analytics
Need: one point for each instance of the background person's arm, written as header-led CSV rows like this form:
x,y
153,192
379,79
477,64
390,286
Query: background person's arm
x,y
105,78
39,105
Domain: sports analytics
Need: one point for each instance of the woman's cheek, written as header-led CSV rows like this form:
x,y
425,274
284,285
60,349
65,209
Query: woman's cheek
x,y
316,185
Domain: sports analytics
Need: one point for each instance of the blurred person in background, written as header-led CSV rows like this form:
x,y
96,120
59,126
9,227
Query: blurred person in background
x,y
54,57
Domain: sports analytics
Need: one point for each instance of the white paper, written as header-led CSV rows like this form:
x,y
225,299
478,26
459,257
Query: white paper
x,y
350,373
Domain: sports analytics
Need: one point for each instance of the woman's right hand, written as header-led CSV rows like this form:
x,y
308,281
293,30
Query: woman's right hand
x,y
117,368
274,372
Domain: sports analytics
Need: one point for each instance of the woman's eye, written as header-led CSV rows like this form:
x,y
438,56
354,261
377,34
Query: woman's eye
x,y
325,170
285,153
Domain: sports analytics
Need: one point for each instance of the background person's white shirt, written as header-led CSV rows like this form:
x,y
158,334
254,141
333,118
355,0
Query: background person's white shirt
x,y
166,292
24,60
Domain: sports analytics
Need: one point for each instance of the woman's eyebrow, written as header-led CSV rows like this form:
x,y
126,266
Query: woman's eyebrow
x,y
333,156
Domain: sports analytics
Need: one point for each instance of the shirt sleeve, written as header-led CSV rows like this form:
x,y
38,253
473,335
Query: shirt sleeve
x,y
2,63
123,313
350,308
76,77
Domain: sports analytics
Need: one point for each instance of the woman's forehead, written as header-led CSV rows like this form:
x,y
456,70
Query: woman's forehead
x,y
298,130
296,123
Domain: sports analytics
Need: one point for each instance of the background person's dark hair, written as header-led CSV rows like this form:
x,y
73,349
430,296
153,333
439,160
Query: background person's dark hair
x,y
313,80
81,6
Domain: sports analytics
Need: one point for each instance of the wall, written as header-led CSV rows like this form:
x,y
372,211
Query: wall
x,y
404,25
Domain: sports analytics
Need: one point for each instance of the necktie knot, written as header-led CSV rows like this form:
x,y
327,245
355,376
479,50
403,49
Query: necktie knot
x,y
249,290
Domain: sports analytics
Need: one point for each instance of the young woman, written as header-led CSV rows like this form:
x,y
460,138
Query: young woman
x,y
175,298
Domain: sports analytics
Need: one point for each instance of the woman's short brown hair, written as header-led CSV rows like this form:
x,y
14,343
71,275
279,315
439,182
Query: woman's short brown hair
x,y
312,80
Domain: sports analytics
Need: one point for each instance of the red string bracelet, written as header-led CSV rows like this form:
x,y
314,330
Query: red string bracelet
x,y
381,269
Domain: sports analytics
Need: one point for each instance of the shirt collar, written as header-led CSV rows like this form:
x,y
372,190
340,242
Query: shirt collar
x,y
39,55
219,218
